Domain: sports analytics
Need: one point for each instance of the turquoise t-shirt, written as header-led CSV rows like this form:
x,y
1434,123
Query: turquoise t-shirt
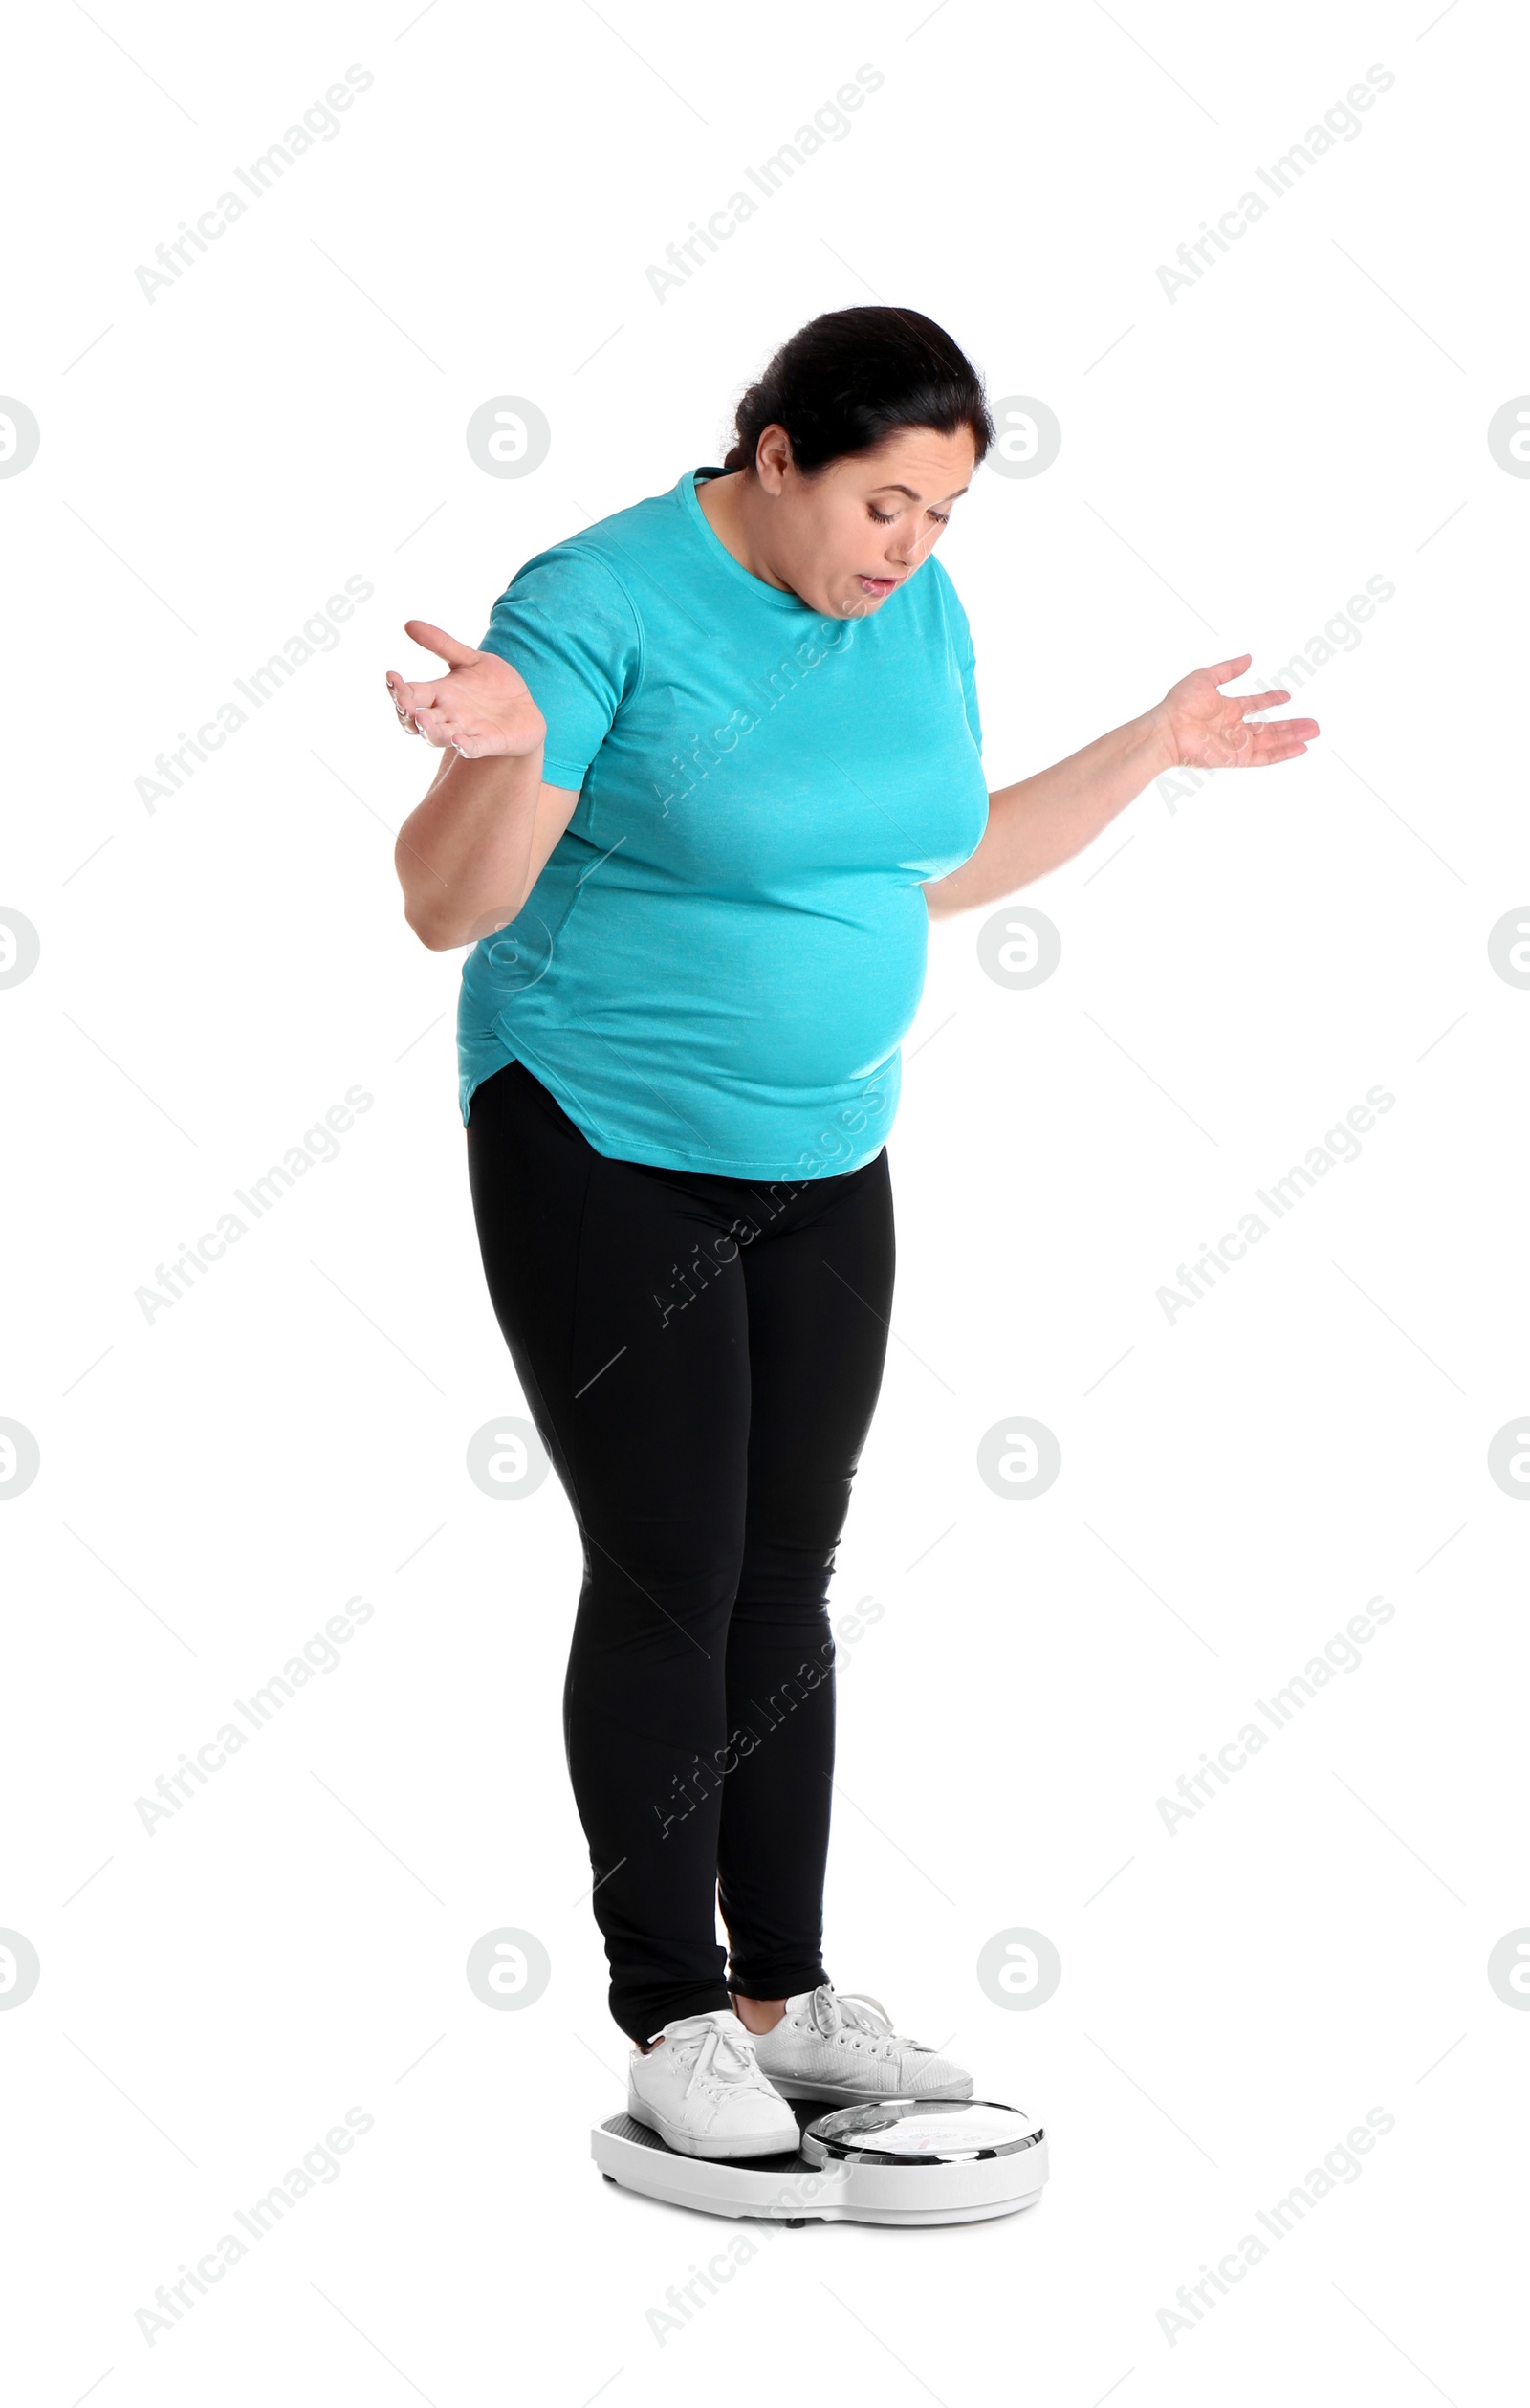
x,y
716,966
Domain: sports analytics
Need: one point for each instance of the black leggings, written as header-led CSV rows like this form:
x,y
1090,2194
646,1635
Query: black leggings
x,y
702,1357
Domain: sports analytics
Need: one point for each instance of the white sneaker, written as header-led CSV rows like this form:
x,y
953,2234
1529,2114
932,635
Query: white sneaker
x,y
703,2092
841,2046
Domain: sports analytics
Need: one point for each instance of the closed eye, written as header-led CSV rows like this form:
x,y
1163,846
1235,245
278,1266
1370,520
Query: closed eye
x,y
885,517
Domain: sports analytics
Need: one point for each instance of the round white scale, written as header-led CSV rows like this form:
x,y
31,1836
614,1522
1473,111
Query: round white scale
x,y
895,2161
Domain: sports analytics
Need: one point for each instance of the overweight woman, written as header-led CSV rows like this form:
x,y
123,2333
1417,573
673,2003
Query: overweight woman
x,y
711,772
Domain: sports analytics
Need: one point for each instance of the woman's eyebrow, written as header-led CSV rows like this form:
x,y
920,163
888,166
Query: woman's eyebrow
x,y
919,497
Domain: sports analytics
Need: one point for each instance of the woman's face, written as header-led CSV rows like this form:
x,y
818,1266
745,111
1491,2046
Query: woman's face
x,y
845,537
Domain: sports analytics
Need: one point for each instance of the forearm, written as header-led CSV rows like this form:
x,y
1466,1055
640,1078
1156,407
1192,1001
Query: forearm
x,y
463,855
1043,820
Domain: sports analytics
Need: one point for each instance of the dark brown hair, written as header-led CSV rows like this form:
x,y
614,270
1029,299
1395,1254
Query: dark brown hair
x,y
848,379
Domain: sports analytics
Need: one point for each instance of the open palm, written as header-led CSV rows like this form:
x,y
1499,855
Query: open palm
x,y
482,706
1211,730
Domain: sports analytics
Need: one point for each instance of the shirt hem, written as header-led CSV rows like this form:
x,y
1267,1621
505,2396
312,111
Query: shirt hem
x,y
662,1157
776,1173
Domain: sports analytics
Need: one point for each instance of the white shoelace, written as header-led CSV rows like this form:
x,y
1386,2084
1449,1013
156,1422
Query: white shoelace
x,y
716,2042
831,2010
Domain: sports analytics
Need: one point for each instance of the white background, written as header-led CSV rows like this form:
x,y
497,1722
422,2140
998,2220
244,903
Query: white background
x,y
1237,972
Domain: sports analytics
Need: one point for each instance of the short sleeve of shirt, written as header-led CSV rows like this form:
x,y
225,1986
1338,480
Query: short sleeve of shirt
x,y
969,660
966,658
565,622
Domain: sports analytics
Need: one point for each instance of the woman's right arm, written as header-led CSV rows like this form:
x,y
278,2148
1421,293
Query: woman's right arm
x,y
469,854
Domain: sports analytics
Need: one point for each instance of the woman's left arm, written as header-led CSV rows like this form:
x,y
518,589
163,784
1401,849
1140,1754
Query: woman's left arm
x,y
1045,819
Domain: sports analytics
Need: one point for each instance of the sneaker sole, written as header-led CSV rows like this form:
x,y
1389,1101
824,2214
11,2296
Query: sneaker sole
x,y
846,2095
688,2145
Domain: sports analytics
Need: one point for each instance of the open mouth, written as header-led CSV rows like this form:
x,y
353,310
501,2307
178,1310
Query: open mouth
x,y
877,584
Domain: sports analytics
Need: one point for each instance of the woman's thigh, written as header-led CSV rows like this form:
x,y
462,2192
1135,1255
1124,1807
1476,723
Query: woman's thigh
x,y
702,1358
820,1299
645,1408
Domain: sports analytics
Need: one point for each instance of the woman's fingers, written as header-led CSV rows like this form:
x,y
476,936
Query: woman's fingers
x,y
396,695
432,724
1285,730
436,640
1279,745
420,708
406,697
410,708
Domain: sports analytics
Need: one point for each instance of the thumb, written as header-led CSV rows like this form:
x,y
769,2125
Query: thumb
x,y
436,640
